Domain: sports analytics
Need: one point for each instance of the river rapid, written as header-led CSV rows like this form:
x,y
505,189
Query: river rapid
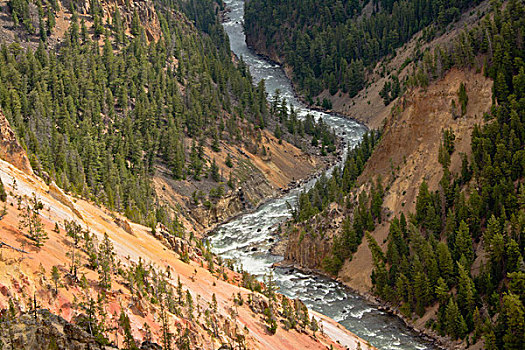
x,y
248,238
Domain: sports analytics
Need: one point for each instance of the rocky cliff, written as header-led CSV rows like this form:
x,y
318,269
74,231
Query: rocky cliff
x,y
410,146
10,149
145,10
256,178
308,250
43,330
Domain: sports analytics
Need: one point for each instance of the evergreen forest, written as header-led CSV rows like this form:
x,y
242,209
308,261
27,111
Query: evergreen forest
x,y
462,249
329,44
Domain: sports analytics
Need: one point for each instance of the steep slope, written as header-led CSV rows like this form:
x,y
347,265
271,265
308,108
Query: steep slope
x,y
207,308
368,105
408,153
135,106
341,55
10,149
441,199
56,18
255,179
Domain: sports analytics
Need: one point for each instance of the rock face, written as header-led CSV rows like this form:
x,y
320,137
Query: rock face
x,y
47,331
125,225
309,250
145,10
10,150
57,193
255,190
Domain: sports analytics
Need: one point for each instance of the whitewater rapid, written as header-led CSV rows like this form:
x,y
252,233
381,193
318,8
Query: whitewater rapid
x,y
248,239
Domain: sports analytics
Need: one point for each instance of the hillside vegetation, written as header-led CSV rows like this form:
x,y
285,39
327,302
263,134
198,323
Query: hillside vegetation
x,y
81,277
450,257
329,44
115,91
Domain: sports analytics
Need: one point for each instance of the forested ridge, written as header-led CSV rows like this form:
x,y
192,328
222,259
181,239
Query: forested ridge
x,y
475,218
98,112
479,212
328,44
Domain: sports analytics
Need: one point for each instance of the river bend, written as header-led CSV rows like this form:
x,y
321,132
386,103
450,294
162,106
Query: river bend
x,y
248,238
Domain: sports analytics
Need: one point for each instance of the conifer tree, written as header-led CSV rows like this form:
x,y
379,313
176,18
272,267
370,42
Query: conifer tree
x,y
513,313
106,261
135,24
463,98
55,276
3,194
30,220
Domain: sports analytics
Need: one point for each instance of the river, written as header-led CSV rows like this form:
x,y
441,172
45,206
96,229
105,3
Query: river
x,y
248,238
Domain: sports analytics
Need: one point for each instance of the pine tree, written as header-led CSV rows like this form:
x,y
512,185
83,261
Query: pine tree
x,y
229,161
278,133
74,230
214,170
135,24
91,250
3,194
42,29
51,21
513,313
269,285
421,292
117,26
455,323
441,291
466,291
445,262
463,98
30,219
55,276
124,323
106,261
464,243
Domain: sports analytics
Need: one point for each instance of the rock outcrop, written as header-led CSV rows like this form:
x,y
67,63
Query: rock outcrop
x,y
10,149
44,330
57,193
145,10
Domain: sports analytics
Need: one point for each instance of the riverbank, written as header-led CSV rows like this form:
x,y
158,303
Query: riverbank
x,y
287,71
247,239
279,246
280,192
426,335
